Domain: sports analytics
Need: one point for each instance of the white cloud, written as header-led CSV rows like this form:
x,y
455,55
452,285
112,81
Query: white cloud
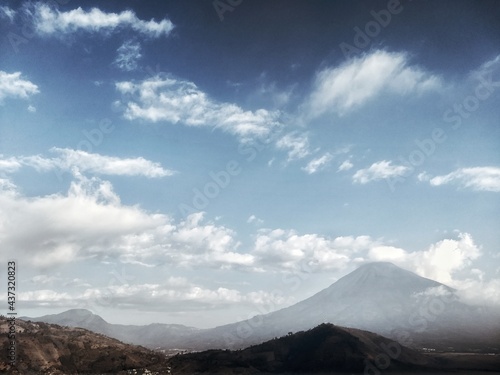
x,y
476,178
90,222
423,176
485,71
174,101
97,164
379,171
44,280
173,295
12,85
9,165
50,21
316,164
287,250
31,109
449,261
345,166
6,12
297,145
344,88
479,292
254,219
438,262
128,55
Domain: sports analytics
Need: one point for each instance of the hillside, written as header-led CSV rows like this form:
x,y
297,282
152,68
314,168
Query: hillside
x,y
51,349
328,349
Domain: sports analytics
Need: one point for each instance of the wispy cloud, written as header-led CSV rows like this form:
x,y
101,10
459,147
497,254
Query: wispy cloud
x,y
296,144
160,99
128,55
9,165
347,87
476,178
50,21
97,164
6,12
318,163
176,294
252,219
14,86
345,166
378,171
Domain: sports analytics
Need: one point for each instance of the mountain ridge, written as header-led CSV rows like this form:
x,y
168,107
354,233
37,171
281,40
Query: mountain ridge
x,y
378,297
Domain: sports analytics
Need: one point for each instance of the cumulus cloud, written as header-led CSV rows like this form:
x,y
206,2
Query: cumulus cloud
x,y
379,171
449,261
128,55
476,178
344,88
479,292
51,21
174,101
12,85
287,250
440,261
296,144
96,164
90,222
317,164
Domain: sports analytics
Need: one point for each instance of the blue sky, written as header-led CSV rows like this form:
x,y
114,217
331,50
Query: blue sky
x,y
162,162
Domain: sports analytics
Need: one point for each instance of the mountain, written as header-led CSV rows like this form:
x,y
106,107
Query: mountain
x,y
378,297
43,348
328,349
150,336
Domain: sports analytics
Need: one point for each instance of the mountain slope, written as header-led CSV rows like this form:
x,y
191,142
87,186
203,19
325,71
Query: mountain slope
x,y
51,349
378,297
370,297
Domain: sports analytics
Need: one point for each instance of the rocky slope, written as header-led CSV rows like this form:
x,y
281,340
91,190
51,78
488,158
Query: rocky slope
x,y
51,349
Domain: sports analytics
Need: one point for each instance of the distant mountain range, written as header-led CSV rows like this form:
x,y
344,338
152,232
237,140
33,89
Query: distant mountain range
x,y
378,297
151,336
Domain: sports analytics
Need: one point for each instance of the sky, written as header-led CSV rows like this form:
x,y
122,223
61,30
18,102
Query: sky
x,y
203,162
